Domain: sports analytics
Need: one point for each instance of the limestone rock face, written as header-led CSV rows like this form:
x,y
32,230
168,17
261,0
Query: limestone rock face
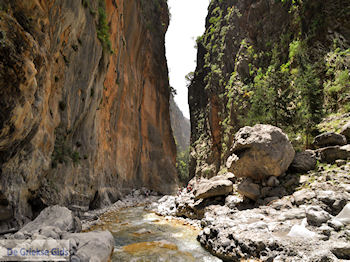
x,y
79,125
241,44
259,152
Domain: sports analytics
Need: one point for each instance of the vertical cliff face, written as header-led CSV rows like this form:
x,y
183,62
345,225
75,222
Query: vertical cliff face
x,y
84,104
279,62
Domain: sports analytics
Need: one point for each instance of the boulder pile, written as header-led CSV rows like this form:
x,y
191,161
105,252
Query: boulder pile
x,y
264,208
56,223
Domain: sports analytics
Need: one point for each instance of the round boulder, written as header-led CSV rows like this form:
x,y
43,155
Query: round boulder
x,y
259,152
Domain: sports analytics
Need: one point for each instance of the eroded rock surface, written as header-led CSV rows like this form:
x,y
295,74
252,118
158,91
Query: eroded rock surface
x,y
259,152
84,118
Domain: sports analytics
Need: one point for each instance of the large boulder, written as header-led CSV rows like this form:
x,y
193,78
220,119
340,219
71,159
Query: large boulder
x,y
92,246
58,217
345,131
332,153
304,161
329,139
259,152
213,187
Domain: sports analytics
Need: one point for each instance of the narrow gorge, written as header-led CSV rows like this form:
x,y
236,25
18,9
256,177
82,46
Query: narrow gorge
x,y
95,153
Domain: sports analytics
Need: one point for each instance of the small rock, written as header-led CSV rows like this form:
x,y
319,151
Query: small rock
x,y
231,201
345,131
304,179
292,180
248,189
336,224
341,250
340,162
279,204
329,139
344,215
326,230
316,216
301,231
338,205
346,188
206,231
273,181
302,196
279,191
328,197
19,235
265,191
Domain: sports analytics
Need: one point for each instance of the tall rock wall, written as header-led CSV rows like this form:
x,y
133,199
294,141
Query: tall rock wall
x,y
266,61
84,99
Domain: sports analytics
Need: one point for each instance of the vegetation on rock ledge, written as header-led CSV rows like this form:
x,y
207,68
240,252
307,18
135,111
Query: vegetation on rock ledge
x,y
289,69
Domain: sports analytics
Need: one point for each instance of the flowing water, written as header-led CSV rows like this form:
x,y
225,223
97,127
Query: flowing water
x,y
143,236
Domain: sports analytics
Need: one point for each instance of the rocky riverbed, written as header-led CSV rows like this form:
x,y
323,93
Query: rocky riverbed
x,y
311,224
56,223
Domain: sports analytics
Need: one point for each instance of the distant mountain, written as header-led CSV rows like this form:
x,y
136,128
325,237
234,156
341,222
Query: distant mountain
x,y
180,125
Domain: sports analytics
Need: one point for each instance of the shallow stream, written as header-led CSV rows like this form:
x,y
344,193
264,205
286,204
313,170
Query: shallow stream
x,y
144,236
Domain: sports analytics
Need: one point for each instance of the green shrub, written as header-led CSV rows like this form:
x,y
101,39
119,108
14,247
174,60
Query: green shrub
x,y
103,28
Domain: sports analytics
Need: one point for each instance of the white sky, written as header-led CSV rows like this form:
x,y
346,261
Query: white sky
x,y
186,24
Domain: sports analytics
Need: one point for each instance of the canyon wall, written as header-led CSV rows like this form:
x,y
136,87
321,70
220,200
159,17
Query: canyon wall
x,y
284,63
84,102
